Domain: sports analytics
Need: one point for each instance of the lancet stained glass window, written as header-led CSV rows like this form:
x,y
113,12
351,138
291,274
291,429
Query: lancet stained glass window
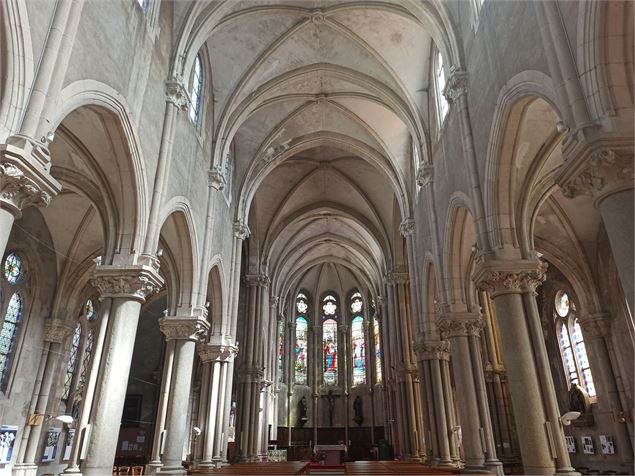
x,y
301,327
13,268
280,350
197,90
329,339
359,350
572,348
377,343
88,352
8,333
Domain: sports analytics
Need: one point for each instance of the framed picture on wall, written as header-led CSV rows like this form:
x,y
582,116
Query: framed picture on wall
x,y
606,441
570,442
68,445
52,440
7,438
587,445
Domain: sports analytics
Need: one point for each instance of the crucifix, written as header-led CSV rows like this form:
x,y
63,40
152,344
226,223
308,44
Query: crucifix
x,y
331,401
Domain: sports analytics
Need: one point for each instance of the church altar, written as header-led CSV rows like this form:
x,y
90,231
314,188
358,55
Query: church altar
x,y
334,453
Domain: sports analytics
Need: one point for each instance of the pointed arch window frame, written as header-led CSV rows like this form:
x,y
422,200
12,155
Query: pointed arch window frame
x,y
329,310
197,86
301,346
359,367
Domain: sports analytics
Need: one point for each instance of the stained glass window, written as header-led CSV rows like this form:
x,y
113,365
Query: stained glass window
x,y
88,352
197,90
301,304
329,341
8,333
280,351
442,104
89,310
13,268
301,327
356,303
377,342
359,351
72,361
572,348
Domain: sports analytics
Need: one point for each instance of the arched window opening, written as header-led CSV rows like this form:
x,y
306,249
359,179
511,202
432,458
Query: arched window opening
x,y
572,347
301,340
142,4
197,90
377,344
72,361
440,82
281,350
358,342
329,339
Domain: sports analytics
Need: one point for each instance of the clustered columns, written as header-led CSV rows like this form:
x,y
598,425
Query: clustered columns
x,y
252,371
434,357
185,331
128,286
215,358
463,329
55,334
407,436
606,174
512,284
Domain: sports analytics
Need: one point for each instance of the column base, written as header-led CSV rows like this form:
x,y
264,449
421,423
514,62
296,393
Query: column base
x,y
174,471
153,467
74,471
495,466
25,469
475,470
565,472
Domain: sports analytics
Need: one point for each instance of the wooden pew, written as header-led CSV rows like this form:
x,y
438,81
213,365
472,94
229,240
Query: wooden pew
x,y
396,467
279,468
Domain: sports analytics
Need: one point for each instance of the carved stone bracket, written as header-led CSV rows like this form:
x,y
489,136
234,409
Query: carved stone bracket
x,y
176,94
216,178
261,280
504,277
425,174
407,227
460,325
273,301
184,328
595,325
251,375
406,373
456,85
56,330
217,352
433,350
132,282
24,175
605,171
241,230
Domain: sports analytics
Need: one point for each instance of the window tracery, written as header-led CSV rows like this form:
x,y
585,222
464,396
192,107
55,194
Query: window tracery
x,y
572,348
301,341
329,339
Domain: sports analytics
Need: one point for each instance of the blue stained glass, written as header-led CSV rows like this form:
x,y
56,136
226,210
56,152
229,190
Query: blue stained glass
x,y
301,327
8,332
329,341
359,351
13,268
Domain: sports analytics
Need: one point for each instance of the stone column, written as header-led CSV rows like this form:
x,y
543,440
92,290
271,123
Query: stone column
x,y
128,286
606,174
450,413
89,388
162,411
431,353
215,356
185,331
55,333
458,328
539,431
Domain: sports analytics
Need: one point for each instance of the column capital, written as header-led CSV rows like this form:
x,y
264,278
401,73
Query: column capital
x,y
176,94
433,350
216,178
25,179
56,330
251,375
456,85
598,173
407,227
595,325
396,277
131,281
381,300
425,174
509,276
241,230
209,352
273,301
404,373
464,324
183,327
261,280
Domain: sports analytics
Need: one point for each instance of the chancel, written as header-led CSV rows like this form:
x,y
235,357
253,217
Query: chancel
x,y
316,236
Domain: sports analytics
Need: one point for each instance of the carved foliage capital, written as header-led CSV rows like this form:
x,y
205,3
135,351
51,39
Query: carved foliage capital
x,y
133,282
407,227
261,280
394,277
241,230
18,191
425,174
503,281
456,85
433,350
450,326
217,352
185,328
605,171
176,94
56,330
216,179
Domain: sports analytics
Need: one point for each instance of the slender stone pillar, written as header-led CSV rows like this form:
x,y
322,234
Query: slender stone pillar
x,y
55,333
450,414
162,411
185,331
128,287
459,328
539,431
